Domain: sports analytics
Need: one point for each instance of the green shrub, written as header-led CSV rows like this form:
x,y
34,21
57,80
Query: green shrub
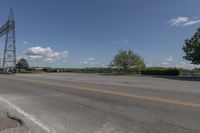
x,y
114,71
49,69
161,71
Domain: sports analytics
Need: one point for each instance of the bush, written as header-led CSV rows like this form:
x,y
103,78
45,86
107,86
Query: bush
x,y
49,69
196,72
114,71
161,71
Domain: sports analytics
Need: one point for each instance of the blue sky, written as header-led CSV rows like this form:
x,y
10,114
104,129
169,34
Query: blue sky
x,y
88,33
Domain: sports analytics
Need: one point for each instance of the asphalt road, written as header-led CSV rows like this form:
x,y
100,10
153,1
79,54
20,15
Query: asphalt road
x,y
91,103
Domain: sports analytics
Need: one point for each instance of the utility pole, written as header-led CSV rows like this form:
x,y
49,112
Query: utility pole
x,y
8,29
0,62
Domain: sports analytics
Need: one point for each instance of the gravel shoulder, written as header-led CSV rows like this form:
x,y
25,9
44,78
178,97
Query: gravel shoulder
x,y
9,122
13,122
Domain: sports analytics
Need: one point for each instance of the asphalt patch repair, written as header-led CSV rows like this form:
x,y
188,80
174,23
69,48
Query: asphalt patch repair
x,y
7,122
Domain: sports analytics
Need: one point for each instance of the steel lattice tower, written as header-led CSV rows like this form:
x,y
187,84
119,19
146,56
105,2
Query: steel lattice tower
x,y
8,29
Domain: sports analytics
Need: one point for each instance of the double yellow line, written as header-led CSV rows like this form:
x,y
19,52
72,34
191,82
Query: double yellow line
x,y
130,95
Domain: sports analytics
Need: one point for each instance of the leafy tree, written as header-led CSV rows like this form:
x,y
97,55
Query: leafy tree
x,y
23,64
126,59
192,48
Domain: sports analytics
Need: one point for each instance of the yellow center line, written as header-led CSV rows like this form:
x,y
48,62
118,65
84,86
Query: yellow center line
x,y
131,95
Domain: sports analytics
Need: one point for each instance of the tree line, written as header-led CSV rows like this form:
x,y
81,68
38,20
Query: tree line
x,y
129,62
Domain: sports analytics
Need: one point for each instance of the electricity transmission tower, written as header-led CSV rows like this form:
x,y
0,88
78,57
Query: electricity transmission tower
x,y
8,29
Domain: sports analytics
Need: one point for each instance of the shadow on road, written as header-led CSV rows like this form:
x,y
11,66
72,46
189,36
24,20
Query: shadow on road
x,y
179,78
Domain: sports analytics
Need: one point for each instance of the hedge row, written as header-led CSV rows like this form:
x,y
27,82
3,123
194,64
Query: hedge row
x,y
114,71
161,71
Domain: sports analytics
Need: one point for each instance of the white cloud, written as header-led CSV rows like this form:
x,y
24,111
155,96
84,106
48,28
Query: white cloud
x,y
171,62
149,65
192,22
40,54
90,61
177,64
169,59
178,21
187,65
183,21
165,63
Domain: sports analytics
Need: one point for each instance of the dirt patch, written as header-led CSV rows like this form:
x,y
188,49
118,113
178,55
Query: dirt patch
x,y
8,122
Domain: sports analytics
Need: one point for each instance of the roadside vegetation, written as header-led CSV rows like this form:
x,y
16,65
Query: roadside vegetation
x,y
22,65
161,71
192,48
115,71
127,62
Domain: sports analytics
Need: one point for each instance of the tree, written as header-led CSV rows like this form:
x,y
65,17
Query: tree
x,y
23,64
126,59
192,48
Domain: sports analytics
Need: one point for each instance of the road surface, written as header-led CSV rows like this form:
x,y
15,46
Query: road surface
x,y
92,103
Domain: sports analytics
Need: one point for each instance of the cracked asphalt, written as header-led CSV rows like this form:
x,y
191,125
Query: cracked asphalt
x,y
93,103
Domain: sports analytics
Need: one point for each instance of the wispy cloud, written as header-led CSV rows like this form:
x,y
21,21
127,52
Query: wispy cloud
x,y
183,21
187,65
24,42
117,42
169,59
40,54
171,62
167,62
90,62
